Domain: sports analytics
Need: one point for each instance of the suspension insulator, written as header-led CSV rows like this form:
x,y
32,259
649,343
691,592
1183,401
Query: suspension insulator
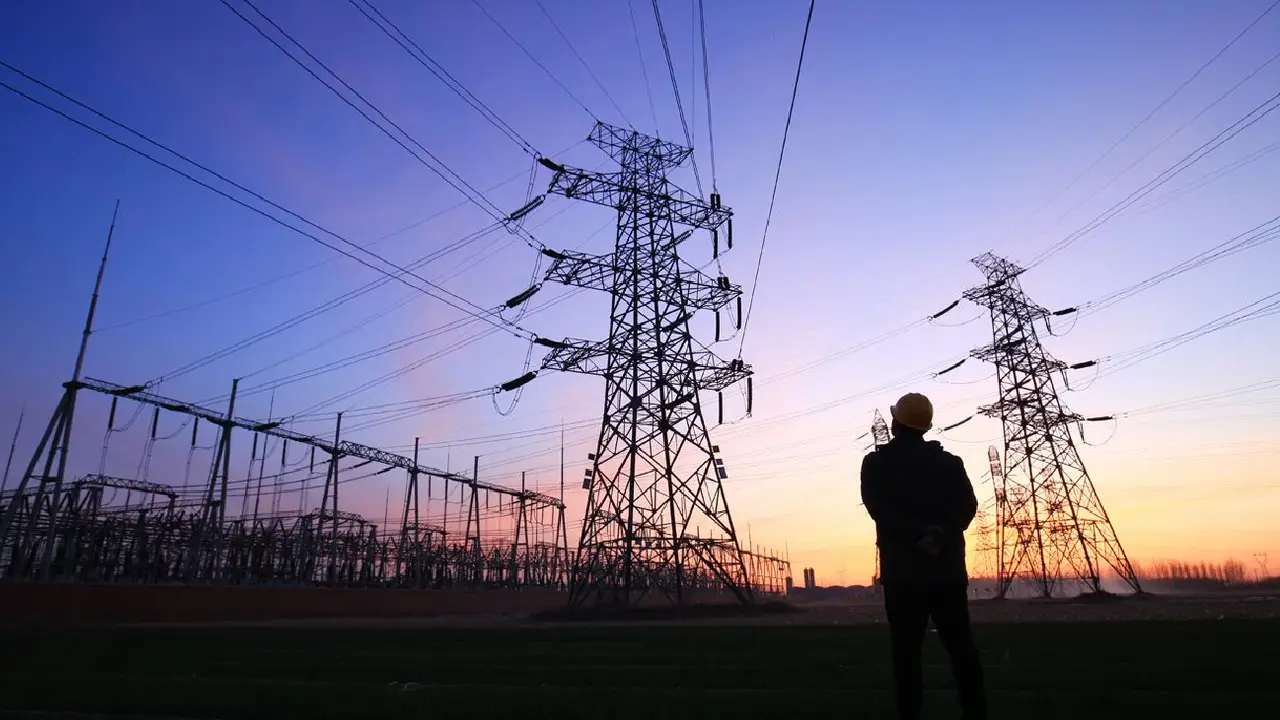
x,y
519,299
513,384
554,255
313,459
550,164
717,326
729,235
952,367
1066,311
715,201
284,452
155,423
553,344
111,417
956,425
1100,418
1083,365
944,310
723,282
526,208
750,395
720,403
682,237
195,426
715,243
737,321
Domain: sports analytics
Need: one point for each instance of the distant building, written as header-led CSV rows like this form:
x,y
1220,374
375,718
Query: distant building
x,y
790,585
809,581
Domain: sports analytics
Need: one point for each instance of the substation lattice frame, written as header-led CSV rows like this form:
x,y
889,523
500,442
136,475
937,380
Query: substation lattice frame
x,y
60,530
1052,527
657,518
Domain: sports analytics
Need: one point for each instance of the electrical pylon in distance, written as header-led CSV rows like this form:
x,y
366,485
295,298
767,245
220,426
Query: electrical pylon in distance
x,y
656,518
1054,527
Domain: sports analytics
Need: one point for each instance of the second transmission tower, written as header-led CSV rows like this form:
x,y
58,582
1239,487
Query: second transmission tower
x,y
656,518
1053,525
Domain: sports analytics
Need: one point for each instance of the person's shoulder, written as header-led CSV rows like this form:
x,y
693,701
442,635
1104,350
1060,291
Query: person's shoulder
x,y
949,457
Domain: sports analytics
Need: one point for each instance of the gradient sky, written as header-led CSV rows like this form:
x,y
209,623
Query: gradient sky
x,y
924,134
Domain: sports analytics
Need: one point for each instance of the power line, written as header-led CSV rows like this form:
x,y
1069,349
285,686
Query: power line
x,y
777,175
706,84
1264,307
1248,120
294,273
436,69
1247,240
455,182
1106,153
675,87
309,314
1150,151
535,60
583,62
434,291
644,70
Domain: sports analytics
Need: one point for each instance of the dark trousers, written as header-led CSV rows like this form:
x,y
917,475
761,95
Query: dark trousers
x,y
909,609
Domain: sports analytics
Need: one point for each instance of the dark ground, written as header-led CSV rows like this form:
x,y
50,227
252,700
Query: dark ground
x,y
1140,669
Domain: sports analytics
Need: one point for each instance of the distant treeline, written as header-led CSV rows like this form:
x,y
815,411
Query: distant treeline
x,y
1179,575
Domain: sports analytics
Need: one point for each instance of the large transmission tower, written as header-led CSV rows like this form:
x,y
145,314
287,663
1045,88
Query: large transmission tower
x,y
656,516
1054,528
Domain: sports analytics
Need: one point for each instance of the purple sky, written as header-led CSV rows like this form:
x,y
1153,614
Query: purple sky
x,y
921,138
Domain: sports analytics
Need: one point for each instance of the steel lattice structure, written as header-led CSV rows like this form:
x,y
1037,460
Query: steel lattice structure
x,y
1053,527
656,516
51,530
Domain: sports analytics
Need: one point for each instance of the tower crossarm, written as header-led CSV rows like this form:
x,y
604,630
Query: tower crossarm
x,y
1034,417
1003,353
597,272
591,357
142,486
610,190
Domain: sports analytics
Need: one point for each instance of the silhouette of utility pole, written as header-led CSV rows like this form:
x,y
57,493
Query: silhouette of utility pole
x,y
1053,525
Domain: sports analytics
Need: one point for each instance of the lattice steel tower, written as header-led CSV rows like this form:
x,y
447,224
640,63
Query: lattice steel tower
x,y
656,516
1054,527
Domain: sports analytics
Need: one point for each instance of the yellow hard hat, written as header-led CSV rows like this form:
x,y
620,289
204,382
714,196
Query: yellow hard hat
x,y
913,410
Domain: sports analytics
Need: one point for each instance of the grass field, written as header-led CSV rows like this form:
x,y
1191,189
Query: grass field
x,y
1057,670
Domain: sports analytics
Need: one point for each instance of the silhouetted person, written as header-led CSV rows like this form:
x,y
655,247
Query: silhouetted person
x,y
922,501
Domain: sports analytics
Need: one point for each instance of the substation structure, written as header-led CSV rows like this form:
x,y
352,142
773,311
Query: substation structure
x,y
657,519
100,528
1053,532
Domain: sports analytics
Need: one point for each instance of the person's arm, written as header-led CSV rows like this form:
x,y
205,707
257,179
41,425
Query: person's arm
x,y
962,506
891,518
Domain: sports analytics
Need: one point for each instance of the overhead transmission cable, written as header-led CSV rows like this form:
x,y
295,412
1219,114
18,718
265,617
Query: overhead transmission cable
x,y
706,84
675,88
451,348
1255,115
312,312
1264,307
294,273
1254,237
393,31
430,289
1147,118
583,62
536,61
644,70
777,175
1170,136
435,164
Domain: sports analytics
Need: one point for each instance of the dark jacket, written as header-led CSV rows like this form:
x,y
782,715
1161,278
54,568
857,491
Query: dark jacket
x,y
912,487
